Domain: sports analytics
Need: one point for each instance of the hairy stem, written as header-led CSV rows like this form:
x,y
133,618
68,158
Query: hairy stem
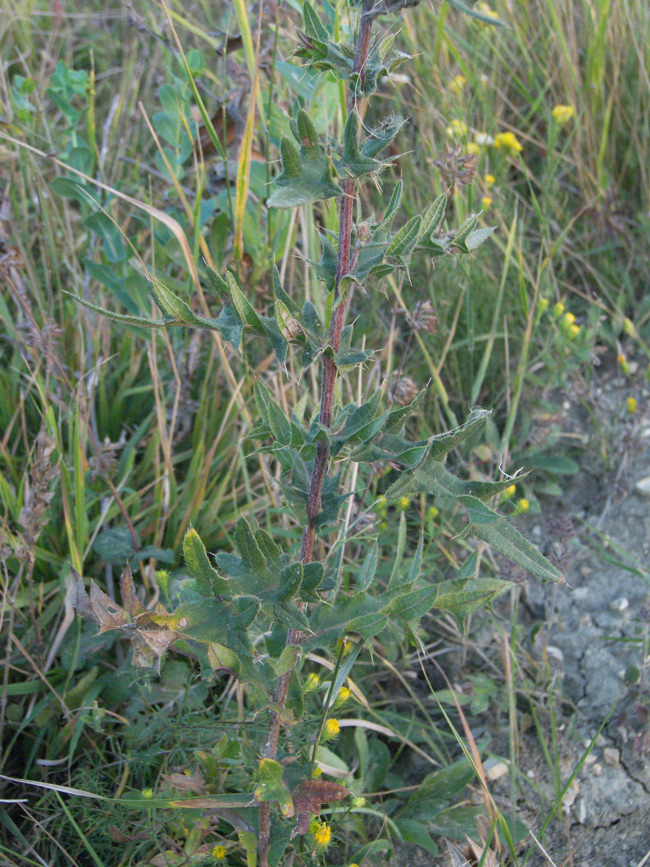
x,y
319,470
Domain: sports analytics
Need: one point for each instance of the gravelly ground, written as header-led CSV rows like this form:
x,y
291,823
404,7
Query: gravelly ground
x,y
593,634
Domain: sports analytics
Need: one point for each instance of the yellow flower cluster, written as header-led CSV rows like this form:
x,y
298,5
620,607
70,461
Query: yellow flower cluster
x,y
508,142
562,114
631,405
219,853
312,682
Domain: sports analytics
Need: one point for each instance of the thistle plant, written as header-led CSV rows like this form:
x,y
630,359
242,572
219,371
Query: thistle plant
x,y
257,613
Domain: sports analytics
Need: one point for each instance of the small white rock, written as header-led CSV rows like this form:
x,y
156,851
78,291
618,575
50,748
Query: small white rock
x,y
620,605
612,756
555,653
496,771
530,775
643,486
598,769
582,811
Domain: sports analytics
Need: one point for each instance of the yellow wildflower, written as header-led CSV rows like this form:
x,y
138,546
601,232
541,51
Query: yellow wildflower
x,y
490,181
558,309
562,114
509,492
148,794
625,364
458,84
457,129
312,682
403,503
321,832
574,330
219,853
509,142
542,305
569,318
432,513
486,201
522,504
331,729
473,149
631,405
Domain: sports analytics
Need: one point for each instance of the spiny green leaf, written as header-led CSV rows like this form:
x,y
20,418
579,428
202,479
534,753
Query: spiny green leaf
x,y
121,317
251,556
405,240
433,217
462,597
431,477
208,580
505,538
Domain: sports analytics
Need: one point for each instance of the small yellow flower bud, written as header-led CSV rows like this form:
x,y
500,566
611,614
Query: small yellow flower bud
x,y
490,181
317,772
458,84
486,201
343,644
403,503
558,309
331,730
509,492
522,504
148,794
574,330
629,327
486,9
473,149
342,697
542,305
631,405
358,802
312,682
432,513
219,853
568,318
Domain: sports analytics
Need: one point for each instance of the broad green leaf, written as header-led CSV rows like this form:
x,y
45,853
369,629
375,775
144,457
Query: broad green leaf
x,y
271,786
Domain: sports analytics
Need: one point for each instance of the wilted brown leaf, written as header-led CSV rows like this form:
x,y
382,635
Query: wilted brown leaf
x,y
308,798
149,639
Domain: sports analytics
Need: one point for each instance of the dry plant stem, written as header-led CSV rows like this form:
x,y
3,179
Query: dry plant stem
x,y
321,461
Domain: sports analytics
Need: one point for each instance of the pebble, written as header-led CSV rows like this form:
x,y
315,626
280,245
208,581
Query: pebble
x,y
496,771
598,769
643,486
620,605
582,811
612,756
581,593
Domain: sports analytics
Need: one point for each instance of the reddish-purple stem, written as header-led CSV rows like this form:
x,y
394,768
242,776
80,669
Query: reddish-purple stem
x,y
319,469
